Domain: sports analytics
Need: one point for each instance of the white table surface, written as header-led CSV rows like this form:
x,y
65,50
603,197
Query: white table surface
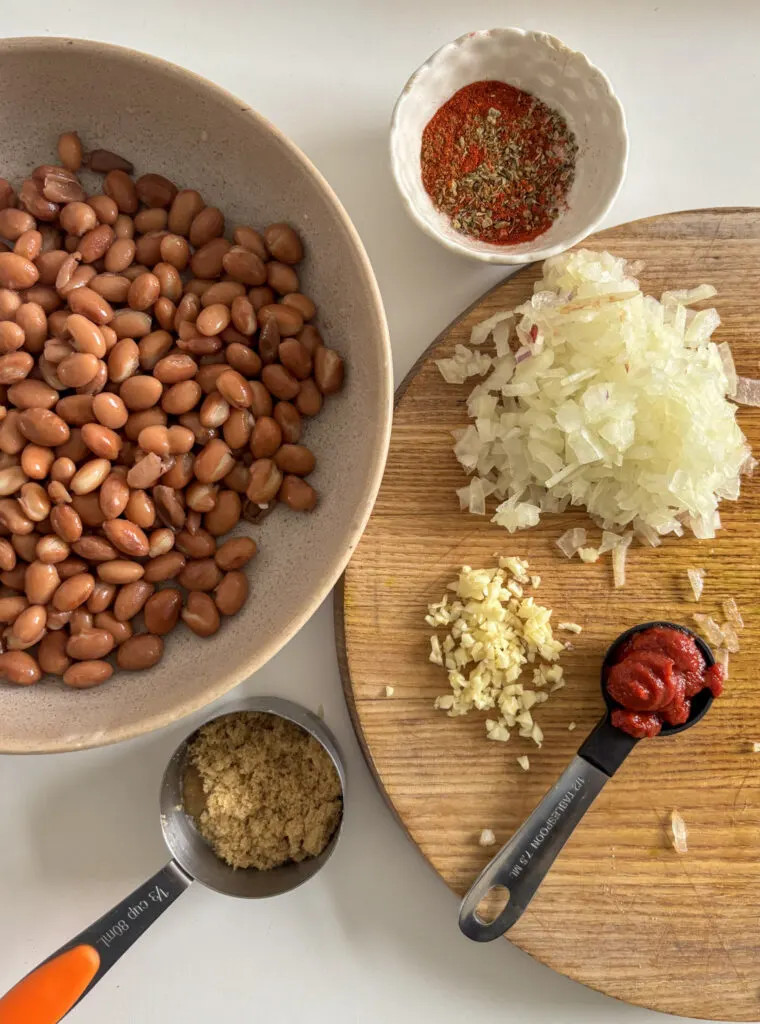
x,y
374,937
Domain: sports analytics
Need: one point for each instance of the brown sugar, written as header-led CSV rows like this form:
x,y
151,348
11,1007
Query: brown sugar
x,y
271,793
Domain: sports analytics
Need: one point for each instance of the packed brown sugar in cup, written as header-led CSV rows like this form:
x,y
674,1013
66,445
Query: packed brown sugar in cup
x,y
271,793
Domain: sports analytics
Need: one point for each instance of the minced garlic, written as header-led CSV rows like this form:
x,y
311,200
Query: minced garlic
x,y
494,631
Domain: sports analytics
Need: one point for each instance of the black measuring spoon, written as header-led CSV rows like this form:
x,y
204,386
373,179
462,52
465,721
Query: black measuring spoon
x,y
521,865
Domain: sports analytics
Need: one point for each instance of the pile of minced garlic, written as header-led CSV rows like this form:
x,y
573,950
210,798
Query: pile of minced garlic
x,y
270,791
493,632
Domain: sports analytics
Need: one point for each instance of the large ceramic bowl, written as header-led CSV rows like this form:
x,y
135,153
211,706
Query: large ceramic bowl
x,y
171,121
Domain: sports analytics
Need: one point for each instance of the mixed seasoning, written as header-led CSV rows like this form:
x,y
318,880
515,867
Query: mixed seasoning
x,y
498,162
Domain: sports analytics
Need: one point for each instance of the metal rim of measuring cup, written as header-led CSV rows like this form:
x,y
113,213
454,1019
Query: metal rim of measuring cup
x,y
191,851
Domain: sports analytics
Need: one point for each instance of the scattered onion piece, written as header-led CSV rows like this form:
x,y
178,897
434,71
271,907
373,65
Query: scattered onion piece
x,y
480,332
729,369
487,837
732,613
619,553
697,581
646,533
688,296
571,541
609,541
730,639
747,392
678,832
721,659
710,628
516,515
476,503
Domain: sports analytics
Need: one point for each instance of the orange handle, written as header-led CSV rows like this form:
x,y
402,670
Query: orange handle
x,y
48,993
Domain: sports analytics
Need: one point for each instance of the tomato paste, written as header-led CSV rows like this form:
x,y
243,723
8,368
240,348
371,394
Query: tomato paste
x,y
656,674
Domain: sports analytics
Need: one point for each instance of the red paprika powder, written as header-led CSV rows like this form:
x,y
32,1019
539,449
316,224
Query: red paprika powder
x,y
499,162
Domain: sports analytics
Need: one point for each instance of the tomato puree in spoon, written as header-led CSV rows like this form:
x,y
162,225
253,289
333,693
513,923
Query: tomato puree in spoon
x,y
656,674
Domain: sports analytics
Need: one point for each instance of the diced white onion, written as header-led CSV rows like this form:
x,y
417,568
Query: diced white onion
x,y
609,541
724,351
732,613
619,553
678,832
697,581
721,659
477,500
487,837
616,402
730,639
688,296
646,533
480,332
516,515
747,391
711,629
571,541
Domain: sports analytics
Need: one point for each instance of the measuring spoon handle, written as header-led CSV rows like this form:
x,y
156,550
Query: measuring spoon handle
x,y
522,864
49,991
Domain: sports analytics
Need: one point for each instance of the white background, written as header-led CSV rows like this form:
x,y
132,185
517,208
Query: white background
x,y
374,937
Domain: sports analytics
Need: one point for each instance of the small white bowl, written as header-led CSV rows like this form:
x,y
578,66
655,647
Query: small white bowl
x,y
563,79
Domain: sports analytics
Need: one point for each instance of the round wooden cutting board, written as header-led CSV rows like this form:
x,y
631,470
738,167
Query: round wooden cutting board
x,y
621,910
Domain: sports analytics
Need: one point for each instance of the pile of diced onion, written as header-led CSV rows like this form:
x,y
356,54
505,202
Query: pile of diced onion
x,y
602,397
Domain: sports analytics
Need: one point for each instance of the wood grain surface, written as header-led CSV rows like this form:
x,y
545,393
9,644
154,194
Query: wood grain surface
x,y
620,911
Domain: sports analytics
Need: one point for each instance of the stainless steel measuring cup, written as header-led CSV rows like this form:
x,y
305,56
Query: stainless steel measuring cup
x,y
51,989
522,864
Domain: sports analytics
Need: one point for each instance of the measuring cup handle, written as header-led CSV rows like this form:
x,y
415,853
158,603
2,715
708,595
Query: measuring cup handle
x,y
49,991
521,865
